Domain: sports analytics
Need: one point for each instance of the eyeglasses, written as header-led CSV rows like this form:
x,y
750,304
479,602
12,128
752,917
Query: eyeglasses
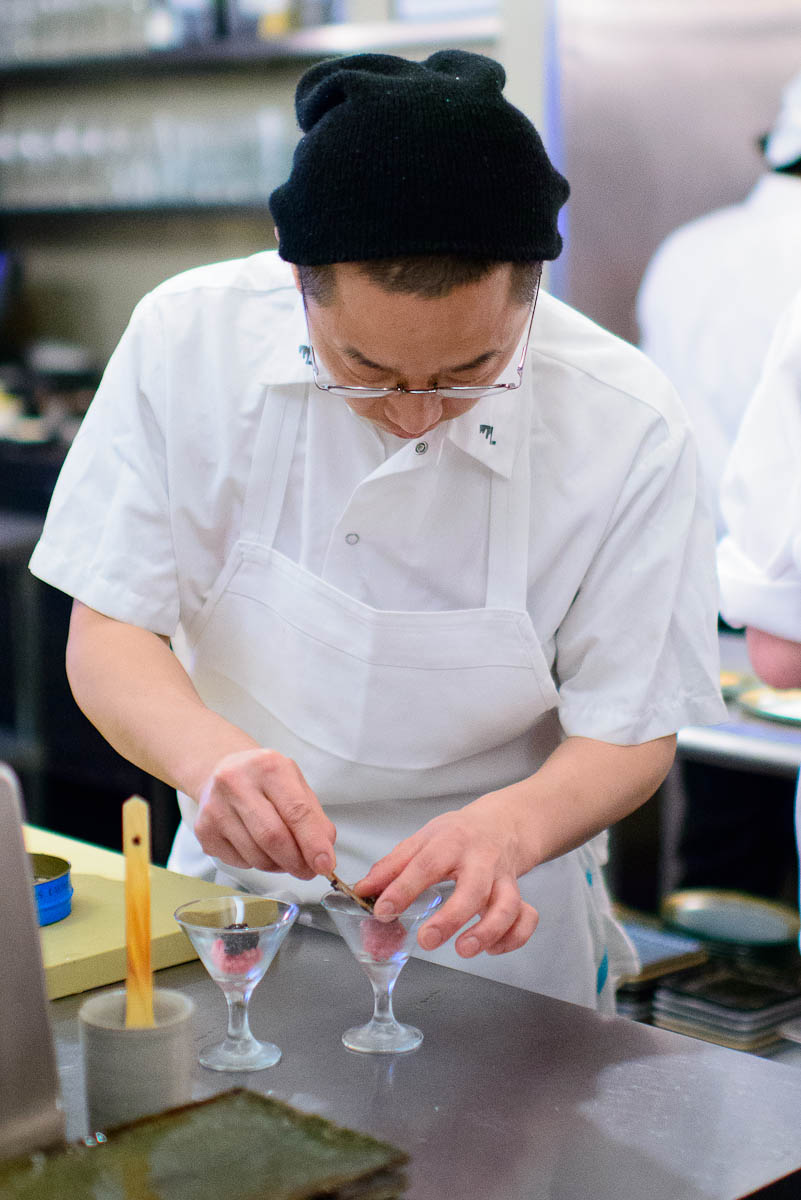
x,y
455,392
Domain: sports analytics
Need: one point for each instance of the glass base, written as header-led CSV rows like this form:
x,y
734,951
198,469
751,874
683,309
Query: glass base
x,y
375,1038
235,1056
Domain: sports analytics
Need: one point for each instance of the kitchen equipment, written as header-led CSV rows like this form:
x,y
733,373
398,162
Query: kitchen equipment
x,y
237,938
731,918
132,1071
136,1044
381,948
30,1115
234,1146
52,887
88,950
136,849
340,886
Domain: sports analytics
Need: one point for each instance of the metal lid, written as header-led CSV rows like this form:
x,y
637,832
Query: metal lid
x,y
734,918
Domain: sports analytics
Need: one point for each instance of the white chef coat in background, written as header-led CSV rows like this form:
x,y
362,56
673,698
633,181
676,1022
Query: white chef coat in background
x,y
620,573
708,305
759,561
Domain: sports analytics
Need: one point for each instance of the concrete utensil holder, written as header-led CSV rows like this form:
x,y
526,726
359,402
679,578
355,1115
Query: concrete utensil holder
x,y
134,1072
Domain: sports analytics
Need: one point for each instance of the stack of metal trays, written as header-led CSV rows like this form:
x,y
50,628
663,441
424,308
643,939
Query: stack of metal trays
x,y
662,953
752,981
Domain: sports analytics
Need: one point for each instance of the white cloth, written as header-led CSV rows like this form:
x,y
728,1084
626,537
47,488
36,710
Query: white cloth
x,y
616,582
783,145
410,714
621,581
709,302
759,561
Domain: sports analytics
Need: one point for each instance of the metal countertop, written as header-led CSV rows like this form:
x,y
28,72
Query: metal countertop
x,y
512,1095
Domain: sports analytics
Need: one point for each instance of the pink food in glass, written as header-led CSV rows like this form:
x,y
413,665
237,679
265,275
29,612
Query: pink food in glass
x,y
234,964
381,940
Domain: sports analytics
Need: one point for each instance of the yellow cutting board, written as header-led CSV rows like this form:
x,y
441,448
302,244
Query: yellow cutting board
x,y
87,949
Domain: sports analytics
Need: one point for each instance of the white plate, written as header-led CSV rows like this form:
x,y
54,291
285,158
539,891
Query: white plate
x,y
773,704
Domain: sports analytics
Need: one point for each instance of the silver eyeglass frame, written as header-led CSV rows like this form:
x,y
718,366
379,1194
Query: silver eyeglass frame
x,y
455,391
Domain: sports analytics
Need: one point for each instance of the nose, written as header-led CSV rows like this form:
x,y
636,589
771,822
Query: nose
x,y
413,414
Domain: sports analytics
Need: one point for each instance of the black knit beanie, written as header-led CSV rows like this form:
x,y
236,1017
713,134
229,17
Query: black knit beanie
x,y
406,158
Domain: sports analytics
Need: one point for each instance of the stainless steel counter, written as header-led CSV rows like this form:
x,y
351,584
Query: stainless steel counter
x,y
512,1096
743,741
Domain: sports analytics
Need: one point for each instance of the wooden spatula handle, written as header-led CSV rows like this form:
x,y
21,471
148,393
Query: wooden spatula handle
x,y
136,847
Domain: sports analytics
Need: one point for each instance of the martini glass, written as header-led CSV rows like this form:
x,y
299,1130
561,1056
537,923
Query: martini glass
x,y
236,938
381,948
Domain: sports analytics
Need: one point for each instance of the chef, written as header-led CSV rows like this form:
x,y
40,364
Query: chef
x,y
387,561
759,561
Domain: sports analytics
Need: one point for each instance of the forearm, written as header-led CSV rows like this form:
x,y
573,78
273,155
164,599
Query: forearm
x,y
776,660
581,789
134,690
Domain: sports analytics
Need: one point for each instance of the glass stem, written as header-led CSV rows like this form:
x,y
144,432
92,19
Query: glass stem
x,y
238,1024
382,1001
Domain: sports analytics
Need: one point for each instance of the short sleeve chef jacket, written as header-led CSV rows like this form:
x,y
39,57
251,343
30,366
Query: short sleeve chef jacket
x,y
621,584
759,563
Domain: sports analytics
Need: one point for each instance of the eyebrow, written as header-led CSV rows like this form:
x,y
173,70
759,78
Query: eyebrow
x,y
479,361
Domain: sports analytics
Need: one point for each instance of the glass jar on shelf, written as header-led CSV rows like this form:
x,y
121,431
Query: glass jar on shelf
x,y
275,18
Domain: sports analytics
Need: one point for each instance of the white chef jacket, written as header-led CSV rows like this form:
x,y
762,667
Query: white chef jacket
x,y
759,562
621,584
709,302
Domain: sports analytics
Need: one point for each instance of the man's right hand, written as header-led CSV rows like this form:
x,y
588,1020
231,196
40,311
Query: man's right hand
x,y
257,810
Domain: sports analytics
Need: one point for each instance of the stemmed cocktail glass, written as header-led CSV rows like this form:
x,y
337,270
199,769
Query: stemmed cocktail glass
x,y
381,948
236,938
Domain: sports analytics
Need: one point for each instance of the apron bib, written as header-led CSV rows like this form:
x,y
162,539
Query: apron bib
x,y
396,717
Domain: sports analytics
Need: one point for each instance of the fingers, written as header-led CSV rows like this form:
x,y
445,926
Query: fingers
x,y
519,933
382,874
507,923
485,887
301,813
236,848
257,810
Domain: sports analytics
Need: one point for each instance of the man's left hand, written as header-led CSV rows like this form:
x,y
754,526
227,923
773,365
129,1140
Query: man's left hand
x,y
477,848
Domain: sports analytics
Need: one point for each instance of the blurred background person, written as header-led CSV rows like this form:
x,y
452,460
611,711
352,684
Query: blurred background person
x,y
759,561
712,294
707,307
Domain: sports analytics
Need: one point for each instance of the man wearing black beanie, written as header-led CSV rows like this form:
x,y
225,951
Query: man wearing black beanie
x,y
389,563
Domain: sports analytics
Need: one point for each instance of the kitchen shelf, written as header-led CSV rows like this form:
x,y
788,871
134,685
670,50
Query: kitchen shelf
x,y
236,52
166,208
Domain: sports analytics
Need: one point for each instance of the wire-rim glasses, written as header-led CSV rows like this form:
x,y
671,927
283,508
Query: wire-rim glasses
x,y
454,392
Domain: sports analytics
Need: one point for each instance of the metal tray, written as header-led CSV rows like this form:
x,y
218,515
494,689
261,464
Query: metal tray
x,y
730,917
236,1146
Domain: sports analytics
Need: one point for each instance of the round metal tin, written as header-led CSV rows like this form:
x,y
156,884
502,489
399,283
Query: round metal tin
x,y
730,917
52,887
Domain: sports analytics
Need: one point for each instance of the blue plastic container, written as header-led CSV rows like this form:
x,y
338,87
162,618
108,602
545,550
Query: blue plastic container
x,y
52,887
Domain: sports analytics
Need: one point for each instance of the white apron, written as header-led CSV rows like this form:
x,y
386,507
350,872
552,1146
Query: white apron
x,y
396,717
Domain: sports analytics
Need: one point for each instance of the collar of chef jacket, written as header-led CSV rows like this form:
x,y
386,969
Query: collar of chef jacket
x,y
487,432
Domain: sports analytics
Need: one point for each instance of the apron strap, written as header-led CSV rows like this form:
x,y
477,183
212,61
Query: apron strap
x,y
272,458
509,526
